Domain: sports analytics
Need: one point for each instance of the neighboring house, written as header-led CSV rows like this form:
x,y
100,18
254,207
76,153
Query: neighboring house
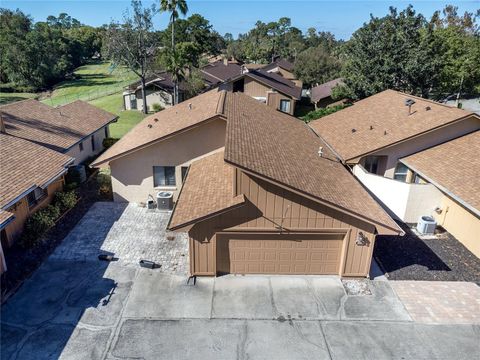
x,y
155,154
275,201
76,129
268,87
373,134
453,168
321,95
159,90
30,175
218,72
283,68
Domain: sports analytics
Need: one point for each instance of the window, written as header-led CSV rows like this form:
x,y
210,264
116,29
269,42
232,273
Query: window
x,y
164,176
36,196
80,146
92,139
184,172
285,105
417,179
371,164
401,172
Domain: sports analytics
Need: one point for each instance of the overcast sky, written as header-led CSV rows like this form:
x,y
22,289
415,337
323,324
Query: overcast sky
x,y
339,17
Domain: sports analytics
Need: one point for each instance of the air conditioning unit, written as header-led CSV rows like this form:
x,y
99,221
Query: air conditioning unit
x,y
426,225
165,200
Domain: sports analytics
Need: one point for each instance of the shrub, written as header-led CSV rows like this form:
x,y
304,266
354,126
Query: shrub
x,y
108,142
157,107
38,223
70,186
317,114
65,200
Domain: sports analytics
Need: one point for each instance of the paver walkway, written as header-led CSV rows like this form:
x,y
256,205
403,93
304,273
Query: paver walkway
x,y
438,302
128,232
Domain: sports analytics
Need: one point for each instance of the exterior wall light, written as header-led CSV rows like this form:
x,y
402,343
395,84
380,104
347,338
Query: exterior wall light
x,y
361,240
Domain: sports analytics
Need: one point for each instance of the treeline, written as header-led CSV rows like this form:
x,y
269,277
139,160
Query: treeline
x,y
35,56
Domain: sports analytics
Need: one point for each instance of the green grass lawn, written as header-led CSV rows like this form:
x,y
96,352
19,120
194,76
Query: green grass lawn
x,y
127,118
91,81
6,98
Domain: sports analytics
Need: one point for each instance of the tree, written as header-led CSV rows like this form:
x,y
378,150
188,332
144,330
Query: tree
x,y
316,65
173,7
397,51
133,43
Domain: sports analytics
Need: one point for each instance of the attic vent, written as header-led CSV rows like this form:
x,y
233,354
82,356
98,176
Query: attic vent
x,y
190,106
320,151
155,119
150,126
371,127
385,132
354,130
428,108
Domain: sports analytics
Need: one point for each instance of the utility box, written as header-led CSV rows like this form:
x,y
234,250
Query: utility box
x,y
165,200
426,225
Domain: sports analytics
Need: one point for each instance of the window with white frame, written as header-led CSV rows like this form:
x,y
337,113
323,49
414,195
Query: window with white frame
x,y
401,171
164,176
285,105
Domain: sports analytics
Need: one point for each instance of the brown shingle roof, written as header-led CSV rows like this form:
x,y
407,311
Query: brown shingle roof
x,y
57,128
165,123
218,72
323,91
276,82
282,148
207,191
453,166
5,217
283,63
348,130
24,165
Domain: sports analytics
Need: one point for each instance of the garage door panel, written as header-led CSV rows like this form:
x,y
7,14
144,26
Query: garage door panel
x,y
285,254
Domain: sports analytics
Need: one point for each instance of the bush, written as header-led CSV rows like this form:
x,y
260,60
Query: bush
x,y
317,114
65,200
38,223
108,142
157,107
70,186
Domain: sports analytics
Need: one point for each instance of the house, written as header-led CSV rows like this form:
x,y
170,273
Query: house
x,y
453,168
283,68
276,200
155,154
372,135
268,87
217,72
159,90
30,175
76,129
321,95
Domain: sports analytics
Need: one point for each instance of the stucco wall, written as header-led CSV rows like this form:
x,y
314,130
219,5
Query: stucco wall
x,y
461,223
255,89
407,201
132,174
274,98
154,96
425,141
80,156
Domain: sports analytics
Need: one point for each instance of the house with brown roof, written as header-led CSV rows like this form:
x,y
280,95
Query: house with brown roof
x,y
373,134
30,175
217,72
270,88
284,68
276,200
321,94
159,90
76,129
453,168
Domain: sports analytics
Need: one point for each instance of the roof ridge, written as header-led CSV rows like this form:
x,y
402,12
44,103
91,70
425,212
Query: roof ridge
x,y
221,102
16,102
429,100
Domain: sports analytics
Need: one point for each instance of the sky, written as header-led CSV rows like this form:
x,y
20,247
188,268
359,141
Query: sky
x,y
340,17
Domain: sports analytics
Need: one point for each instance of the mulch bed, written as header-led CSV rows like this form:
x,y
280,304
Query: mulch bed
x,y
412,258
21,263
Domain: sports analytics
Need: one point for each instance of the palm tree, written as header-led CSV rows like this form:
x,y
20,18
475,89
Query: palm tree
x,y
173,7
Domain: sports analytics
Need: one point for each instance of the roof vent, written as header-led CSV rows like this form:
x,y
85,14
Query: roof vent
x,y
320,151
155,119
409,102
354,130
385,132
428,108
371,127
190,106
150,126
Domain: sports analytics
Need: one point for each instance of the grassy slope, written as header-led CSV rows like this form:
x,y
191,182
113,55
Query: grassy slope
x,y
6,98
127,119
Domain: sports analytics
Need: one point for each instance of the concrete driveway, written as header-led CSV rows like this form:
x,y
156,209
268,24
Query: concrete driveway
x,y
76,307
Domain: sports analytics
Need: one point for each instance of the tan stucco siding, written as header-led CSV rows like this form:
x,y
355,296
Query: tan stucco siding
x,y
88,151
22,211
423,142
461,223
269,207
274,99
132,174
154,96
255,89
